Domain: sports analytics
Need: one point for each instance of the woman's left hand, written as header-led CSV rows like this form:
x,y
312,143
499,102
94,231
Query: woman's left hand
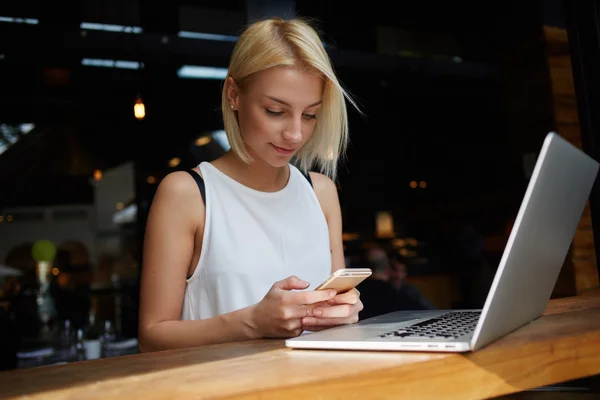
x,y
342,309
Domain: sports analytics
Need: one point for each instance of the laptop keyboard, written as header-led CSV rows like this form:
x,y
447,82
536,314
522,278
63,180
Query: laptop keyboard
x,y
446,326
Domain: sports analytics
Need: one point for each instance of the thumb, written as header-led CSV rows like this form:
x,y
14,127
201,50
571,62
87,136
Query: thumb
x,y
291,283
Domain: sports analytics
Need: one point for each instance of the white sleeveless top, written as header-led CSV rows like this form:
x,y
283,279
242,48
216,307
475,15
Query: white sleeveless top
x,y
253,239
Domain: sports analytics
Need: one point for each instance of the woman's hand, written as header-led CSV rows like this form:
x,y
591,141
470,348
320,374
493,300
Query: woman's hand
x,y
279,314
343,309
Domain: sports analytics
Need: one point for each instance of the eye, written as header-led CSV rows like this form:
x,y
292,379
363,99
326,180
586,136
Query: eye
x,y
274,113
310,116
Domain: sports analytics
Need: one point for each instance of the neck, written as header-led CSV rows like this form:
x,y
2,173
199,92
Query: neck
x,y
257,175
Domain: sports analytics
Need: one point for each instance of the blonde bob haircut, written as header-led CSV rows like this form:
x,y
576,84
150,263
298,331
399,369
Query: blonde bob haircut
x,y
277,42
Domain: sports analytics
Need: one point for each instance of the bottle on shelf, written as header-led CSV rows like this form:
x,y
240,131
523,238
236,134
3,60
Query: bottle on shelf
x,y
92,338
109,336
79,346
67,341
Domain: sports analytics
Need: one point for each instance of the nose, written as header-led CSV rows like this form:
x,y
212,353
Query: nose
x,y
293,130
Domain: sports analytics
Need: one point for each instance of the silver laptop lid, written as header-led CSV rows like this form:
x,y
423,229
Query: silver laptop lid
x,y
540,239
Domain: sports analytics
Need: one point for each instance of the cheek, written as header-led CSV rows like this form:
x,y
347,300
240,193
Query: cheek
x,y
309,129
255,125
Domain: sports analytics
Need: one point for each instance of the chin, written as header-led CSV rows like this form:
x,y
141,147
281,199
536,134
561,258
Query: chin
x,y
278,162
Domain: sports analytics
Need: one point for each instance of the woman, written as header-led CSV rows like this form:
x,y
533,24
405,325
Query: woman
x,y
235,261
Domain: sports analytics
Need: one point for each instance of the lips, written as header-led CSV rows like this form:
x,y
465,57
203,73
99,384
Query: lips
x,y
283,150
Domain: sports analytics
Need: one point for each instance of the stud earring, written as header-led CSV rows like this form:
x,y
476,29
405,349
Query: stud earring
x,y
231,105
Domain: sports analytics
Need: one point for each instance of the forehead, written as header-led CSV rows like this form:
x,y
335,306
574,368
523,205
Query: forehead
x,y
292,85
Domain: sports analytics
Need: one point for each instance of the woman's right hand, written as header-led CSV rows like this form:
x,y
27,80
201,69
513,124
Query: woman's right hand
x,y
279,314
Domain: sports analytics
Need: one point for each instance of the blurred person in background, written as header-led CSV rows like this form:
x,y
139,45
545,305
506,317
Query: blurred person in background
x,y
377,293
410,296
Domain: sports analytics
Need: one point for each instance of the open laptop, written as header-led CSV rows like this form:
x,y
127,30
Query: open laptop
x,y
536,249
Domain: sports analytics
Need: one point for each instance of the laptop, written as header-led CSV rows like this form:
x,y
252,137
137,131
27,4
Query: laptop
x,y
551,209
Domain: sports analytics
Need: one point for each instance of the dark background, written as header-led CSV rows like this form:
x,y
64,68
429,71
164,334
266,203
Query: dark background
x,y
440,85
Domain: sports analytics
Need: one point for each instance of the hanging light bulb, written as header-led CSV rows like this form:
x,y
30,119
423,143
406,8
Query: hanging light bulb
x,y
139,110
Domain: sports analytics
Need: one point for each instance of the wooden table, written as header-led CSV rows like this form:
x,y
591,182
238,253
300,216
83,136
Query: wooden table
x,y
562,345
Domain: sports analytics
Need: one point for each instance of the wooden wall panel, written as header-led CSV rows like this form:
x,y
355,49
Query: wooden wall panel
x,y
582,257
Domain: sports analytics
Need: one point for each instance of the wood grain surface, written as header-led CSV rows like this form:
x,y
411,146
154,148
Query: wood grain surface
x,y
562,345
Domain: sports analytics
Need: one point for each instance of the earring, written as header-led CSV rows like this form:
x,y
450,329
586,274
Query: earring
x,y
231,105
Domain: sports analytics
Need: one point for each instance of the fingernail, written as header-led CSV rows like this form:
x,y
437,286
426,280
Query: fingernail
x,y
332,293
317,312
306,321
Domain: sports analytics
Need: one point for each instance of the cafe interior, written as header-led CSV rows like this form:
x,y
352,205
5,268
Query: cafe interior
x,y
100,101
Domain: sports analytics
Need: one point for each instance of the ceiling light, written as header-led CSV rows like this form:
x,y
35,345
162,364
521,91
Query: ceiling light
x,y
207,36
201,72
92,26
174,162
99,62
139,109
30,21
203,141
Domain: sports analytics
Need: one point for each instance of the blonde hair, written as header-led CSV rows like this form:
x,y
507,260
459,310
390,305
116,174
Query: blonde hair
x,y
278,42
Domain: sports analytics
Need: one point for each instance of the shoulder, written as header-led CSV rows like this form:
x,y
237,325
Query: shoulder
x,y
326,191
178,188
178,182
323,184
177,202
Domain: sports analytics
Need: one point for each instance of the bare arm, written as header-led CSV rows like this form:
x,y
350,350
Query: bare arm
x,y
175,218
327,193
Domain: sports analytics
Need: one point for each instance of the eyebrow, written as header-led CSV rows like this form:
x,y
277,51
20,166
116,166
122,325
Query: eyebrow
x,y
288,105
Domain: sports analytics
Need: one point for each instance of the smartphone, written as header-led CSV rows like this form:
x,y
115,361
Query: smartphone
x,y
345,279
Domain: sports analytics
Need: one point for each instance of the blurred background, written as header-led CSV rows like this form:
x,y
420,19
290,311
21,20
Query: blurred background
x,y
100,100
